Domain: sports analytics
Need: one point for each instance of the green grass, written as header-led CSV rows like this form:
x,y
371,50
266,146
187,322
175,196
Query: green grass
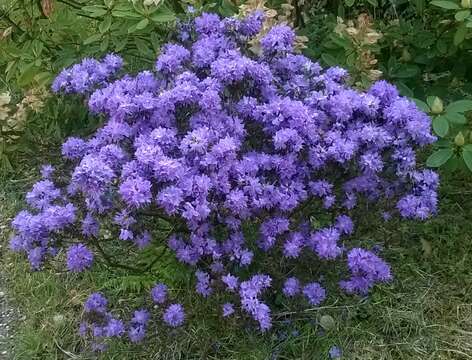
x,y
426,313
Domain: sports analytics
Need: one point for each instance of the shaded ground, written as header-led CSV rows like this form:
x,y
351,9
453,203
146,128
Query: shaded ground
x,y
8,316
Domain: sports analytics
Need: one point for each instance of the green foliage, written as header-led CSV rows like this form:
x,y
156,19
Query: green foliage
x,y
42,37
452,125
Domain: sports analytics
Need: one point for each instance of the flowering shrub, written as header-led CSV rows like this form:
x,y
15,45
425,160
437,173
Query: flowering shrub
x,y
222,144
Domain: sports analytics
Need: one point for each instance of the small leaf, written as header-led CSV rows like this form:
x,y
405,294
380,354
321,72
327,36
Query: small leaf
x,y
459,106
422,105
329,59
467,156
349,3
439,157
450,5
460,34
427,248
462,15
27,74
440,125
162,15
327,322
142,24
104,26
92,39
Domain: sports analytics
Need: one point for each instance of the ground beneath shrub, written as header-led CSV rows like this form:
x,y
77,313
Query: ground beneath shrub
x,y
8,316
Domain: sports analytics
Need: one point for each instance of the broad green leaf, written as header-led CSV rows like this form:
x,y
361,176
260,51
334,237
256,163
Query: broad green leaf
x,y
459,106
469,24
104,26
128,14
142,24
142,46
445,4
92,8
462,15
92,39
455,118
27,74
104,44
467,156
327,322
439,157
373,2
460,34
162,15
329,59
95,11
422,105
404,89
440,125
349,3
405,71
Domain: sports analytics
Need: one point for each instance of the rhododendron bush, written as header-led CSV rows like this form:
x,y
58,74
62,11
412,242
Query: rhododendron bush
x,y
217,140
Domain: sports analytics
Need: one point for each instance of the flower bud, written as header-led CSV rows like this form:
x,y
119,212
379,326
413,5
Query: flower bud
x,y
437,107
459,139
466,4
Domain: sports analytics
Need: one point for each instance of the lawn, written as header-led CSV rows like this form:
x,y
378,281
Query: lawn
x,y
425,313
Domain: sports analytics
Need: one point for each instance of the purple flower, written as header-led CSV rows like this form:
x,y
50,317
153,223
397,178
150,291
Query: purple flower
x,y
279,39
335,352
136,192
231,282
291,287
174,315
314,293
96,302
228,309
114,328
79,258
172,59
159,293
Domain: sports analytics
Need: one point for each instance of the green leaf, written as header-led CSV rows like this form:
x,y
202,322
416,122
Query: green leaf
x,y
327,322
404,89
128,14
329,59
27,74
422,105
405,71
459,106
440,125
143,47
467,156
104,26
439,157
95,11
462,15
450,5
455,118
349,3
162,15
142,24
469,24
373,2
92,39
460,34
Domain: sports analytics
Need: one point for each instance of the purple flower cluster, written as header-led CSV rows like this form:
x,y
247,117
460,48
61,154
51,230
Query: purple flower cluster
x,y
83,77
221,141
99,324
